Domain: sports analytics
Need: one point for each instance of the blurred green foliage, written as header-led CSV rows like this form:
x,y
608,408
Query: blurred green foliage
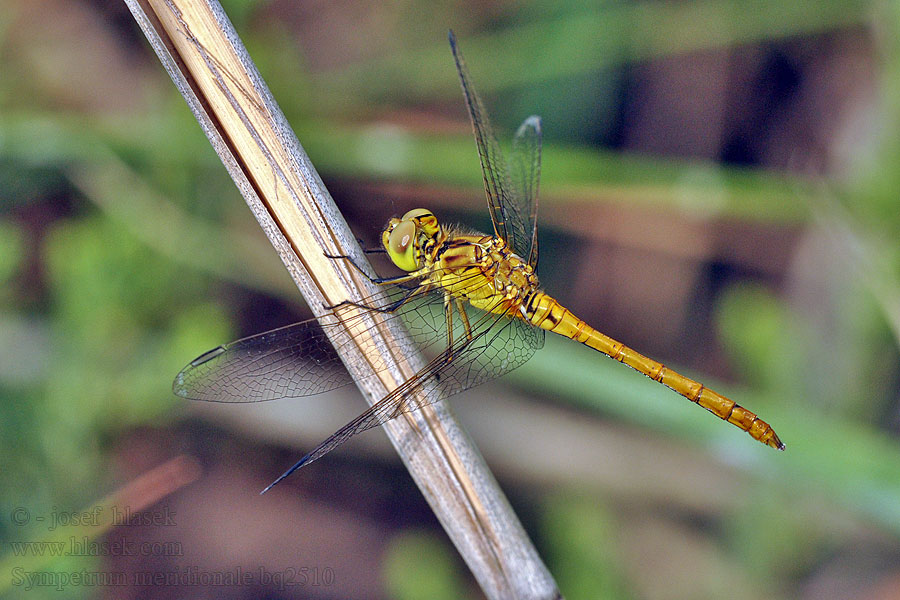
x,y
758,330
11,250
581,547
418,566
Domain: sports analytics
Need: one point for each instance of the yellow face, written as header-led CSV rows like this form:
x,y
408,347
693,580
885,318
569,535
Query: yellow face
x,y
403,238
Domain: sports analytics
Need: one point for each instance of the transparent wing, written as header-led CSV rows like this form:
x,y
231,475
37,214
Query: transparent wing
x,y
508,208
497,345
525,167
297,360
300,360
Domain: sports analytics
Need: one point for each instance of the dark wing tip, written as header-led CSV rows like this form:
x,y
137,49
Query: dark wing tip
x,y
207,356
179,386
451,37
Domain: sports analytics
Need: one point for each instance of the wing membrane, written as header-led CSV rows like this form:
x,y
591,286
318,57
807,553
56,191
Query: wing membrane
x,y
508,210
525,163
300,360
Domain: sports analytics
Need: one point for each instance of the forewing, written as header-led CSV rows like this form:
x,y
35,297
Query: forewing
x,y
297,360
507,210
525,167
300,360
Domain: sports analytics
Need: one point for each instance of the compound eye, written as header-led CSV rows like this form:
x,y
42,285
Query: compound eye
x,y
416,213
402,237
400,245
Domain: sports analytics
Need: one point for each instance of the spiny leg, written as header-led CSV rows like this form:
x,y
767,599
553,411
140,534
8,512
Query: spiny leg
x,y
448,316
411,293
461,307
378,280
464,318
376,250
361,242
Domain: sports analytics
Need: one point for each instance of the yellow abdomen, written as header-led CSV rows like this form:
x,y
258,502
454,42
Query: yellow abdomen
x,y
545,312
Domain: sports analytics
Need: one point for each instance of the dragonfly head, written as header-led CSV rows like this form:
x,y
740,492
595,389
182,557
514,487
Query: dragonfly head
x,y
405,237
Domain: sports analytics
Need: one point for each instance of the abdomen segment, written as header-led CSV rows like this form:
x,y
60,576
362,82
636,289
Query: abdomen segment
x,y
545,312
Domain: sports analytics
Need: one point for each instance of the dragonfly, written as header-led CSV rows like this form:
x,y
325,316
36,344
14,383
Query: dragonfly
x,y
471,302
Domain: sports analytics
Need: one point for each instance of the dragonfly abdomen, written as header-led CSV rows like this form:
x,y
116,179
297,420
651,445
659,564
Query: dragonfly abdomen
x,y
545,312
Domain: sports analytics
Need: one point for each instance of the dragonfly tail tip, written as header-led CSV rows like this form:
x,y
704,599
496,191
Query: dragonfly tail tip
x,y
776,443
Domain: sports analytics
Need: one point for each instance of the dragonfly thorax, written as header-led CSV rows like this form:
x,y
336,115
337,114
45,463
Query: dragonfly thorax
x,y
410,238
482,271
512,275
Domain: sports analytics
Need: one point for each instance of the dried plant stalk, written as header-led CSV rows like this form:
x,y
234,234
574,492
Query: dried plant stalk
x,y
201,51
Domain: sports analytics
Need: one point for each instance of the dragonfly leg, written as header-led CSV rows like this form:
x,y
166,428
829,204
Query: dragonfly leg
x,y
461,307
411,293
361,242
349,260
448,316
377,280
